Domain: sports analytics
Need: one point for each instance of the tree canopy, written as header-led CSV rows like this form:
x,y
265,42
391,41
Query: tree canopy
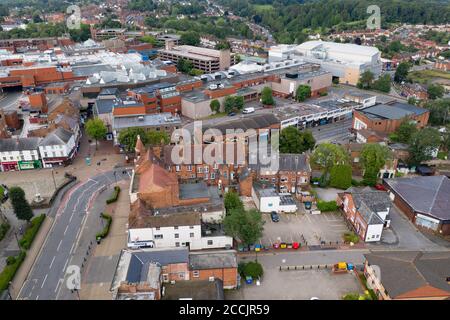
x,y
215,106
293,140
266,96
128,138
245,226
233,103
20,205
402,72
423,143
302,93
190,38
435,91
96,129
373,158
232,201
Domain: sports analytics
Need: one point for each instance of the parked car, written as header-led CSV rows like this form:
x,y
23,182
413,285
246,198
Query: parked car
x,y
248,110
308,205
231,114
380,187
274,216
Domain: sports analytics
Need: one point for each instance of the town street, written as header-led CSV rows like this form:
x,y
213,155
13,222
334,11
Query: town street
x,y
46,279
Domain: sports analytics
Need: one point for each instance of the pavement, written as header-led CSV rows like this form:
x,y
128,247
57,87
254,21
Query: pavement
x,y
64,244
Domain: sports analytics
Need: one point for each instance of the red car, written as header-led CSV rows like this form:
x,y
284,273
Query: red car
x,y
380,187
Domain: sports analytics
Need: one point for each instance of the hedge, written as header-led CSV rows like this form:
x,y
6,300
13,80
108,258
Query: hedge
x,y
10,270
4,227
105,230
31,232
115,195
325,206
341,176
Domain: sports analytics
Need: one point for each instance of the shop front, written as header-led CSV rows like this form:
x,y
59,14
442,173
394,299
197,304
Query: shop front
x,y
29,165
53,162
9,166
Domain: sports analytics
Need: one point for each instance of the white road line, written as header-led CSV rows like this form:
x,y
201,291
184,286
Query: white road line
x,y
71,249
65,265
59,245
51,263
66,229
37,297
43,282
57,285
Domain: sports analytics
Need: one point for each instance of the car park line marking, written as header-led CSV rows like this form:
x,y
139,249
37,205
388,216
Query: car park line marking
x,y
66,229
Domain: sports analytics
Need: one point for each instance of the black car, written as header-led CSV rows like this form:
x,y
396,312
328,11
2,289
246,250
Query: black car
x,y
274,216
231,114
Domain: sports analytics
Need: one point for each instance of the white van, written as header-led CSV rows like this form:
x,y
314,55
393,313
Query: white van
x,y
248,110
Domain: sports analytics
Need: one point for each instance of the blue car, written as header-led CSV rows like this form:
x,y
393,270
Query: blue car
x,y
274,216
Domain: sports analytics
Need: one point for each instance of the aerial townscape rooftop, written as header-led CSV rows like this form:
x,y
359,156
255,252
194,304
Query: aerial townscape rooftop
x,y
240,151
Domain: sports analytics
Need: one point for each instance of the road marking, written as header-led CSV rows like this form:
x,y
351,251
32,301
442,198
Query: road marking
x,y
37,297
57,285
51,263
65,265
71,249
43,282
59,245
66,229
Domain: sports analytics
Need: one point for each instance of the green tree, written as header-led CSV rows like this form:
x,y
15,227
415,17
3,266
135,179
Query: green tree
x,y
365,80
253,269
215,106
423,143
373,158
383,83
232,201
341,176
128,138
406,129
96,129
20,205
245,226
327,155
439,111
239,102
158,138
302,93
402,72
149,39
195,72
228,104
184,65
435,91
190,38
266,96
294,141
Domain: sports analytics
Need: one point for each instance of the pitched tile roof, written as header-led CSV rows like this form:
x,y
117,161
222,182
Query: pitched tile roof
x,y
369,201
58,137
20,144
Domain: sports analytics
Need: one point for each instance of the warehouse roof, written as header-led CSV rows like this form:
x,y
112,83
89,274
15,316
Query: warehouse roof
x,y
427,194
393,111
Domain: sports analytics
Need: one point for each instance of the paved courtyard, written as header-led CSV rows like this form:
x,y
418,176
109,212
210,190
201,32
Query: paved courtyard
x,y
304,226
298,285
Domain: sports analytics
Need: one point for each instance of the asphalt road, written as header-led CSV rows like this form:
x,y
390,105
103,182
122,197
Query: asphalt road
x,y
46,280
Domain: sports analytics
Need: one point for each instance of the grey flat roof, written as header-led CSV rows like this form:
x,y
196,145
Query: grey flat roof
x,y
254,122
213,260
428,195
148,120
193,190
88,70
293,162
